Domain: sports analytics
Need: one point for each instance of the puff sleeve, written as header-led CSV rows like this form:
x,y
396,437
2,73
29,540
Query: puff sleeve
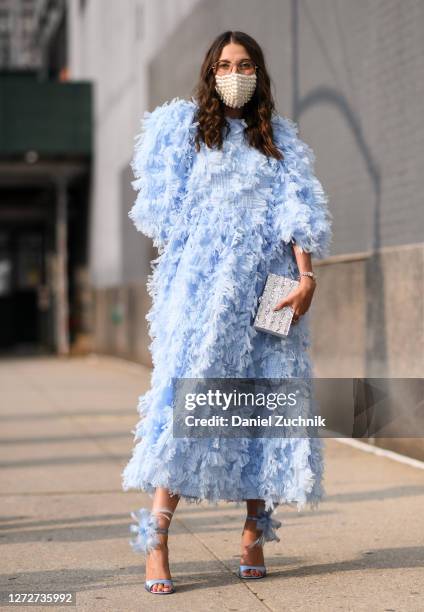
x,y
160,165
301,208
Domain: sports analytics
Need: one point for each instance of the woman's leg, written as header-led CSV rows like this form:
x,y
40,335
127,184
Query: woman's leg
x,y
157,565
255,555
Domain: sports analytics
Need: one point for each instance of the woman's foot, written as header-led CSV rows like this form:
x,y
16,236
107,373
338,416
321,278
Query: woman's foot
x,y
157,565
253,555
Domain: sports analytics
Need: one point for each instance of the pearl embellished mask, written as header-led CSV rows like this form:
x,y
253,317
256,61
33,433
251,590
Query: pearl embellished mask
x,y
235,89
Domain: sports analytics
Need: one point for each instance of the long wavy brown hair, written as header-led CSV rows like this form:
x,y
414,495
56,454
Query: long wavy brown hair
x,y
257,112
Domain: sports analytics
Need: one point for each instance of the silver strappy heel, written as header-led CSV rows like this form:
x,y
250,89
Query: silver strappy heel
x,y
146,539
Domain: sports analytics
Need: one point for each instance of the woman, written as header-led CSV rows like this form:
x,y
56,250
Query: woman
x,y
227,192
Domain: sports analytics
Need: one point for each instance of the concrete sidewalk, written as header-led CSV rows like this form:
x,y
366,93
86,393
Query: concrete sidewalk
x,y
66,436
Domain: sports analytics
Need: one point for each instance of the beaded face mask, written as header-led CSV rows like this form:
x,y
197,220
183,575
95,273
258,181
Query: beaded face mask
x,y
235,89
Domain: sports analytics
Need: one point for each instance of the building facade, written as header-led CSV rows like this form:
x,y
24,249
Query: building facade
x,y
45,162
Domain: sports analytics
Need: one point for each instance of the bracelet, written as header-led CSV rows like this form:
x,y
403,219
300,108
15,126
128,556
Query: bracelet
x,y
311,274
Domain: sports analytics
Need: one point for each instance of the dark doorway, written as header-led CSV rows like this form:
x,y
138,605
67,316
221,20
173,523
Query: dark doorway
x,y
22,278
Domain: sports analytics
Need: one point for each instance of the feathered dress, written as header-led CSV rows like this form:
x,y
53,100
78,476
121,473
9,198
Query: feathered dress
x,y
221,220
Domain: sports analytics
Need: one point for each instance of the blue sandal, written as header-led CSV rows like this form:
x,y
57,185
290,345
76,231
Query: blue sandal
x,y
146,540
267,525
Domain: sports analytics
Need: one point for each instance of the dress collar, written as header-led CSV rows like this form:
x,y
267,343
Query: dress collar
x,y
236,124
240,120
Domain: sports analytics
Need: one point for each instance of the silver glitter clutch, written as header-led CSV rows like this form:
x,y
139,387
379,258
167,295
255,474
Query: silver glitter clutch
x,y
267,320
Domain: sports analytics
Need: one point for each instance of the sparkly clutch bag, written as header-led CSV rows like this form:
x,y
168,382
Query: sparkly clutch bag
x,y
266,319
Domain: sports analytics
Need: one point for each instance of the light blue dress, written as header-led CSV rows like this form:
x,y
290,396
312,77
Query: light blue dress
x,y
221,221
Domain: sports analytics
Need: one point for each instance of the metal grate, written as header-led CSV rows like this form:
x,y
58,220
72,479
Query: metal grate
x,y
26,27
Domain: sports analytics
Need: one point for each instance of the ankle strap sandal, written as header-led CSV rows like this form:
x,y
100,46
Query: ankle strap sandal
x,y
267,525
145,539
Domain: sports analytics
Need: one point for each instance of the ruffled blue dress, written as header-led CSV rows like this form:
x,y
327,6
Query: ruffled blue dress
x,y
221,220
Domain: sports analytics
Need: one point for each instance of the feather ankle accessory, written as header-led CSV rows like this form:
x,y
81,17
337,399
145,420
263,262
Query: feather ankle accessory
x,y
268,526
146,529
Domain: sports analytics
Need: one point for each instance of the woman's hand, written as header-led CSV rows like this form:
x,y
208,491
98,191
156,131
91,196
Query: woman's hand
x,y
299,299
